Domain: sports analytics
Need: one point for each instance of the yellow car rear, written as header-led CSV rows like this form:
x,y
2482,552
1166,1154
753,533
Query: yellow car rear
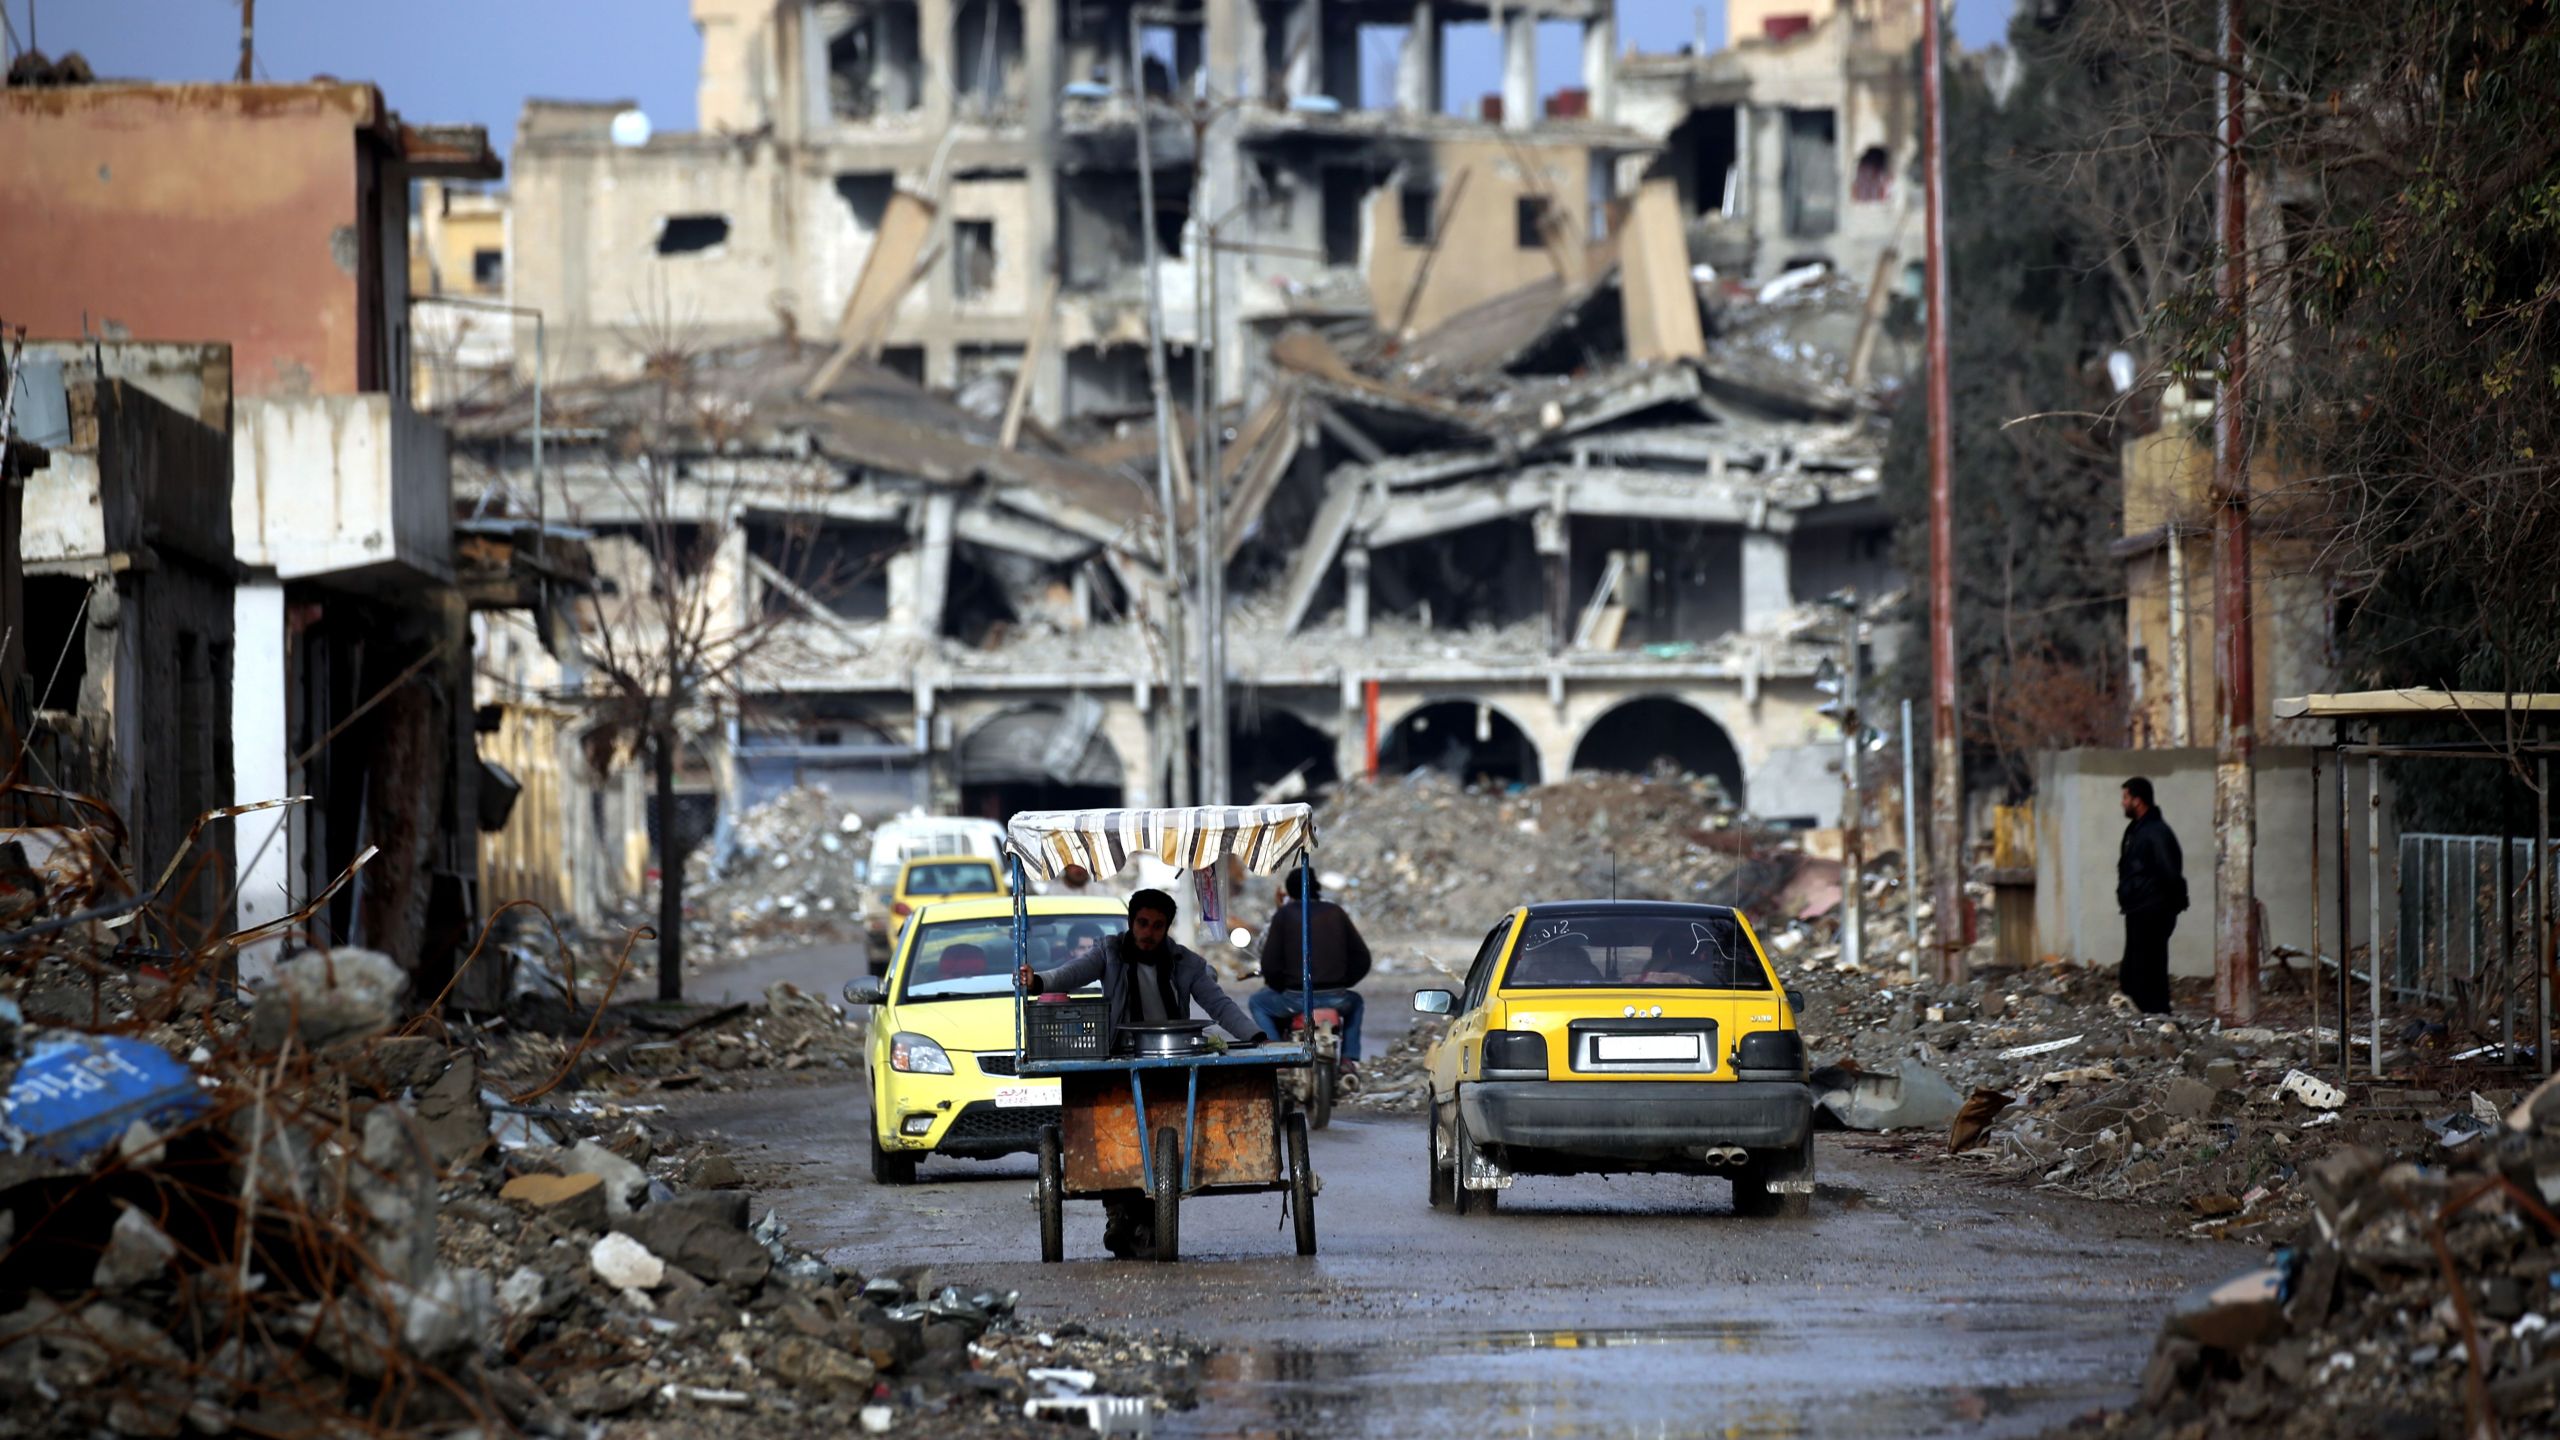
x,y
1618,1037
940,1052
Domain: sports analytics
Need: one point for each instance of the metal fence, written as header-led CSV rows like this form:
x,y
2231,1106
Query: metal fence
x,y
2449,947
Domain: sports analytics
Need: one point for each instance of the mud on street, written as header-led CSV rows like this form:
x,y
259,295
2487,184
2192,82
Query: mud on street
x,y
1913,1302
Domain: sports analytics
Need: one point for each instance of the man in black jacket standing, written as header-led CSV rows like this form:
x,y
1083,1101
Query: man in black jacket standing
x,y
2151,889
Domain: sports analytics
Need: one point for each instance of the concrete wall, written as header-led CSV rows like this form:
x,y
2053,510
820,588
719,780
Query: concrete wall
x,y
341,485
2080,828
1481,254
194,212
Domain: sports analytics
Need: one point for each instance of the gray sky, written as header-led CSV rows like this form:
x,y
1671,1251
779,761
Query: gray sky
x,y
477,61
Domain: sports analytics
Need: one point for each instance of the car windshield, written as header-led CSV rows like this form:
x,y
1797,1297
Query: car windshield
x,y
952,877
1668,952
969,959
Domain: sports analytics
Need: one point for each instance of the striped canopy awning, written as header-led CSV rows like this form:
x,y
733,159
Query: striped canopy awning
x,y
1266,838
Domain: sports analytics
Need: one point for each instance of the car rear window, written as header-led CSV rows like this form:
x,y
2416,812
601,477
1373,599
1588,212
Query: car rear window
x,y
1635,952
952,877
971,959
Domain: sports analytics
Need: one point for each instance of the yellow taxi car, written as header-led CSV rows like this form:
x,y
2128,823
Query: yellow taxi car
x,y
940,1054
923,880
1620,1037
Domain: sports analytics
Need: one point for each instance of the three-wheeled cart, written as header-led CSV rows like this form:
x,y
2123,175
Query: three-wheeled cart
x,y
1159,1127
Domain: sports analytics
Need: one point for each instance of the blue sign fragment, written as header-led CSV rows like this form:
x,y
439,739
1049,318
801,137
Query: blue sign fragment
x,y
76,1094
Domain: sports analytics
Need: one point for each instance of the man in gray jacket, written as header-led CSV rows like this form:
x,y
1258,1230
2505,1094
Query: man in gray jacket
x,y
1146,979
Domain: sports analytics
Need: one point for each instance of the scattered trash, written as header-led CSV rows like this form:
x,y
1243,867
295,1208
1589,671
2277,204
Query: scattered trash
x,y
2312,1091
1914,1098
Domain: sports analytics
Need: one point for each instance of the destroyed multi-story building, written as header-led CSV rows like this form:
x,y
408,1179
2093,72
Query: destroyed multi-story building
x,y
243,543
1538,434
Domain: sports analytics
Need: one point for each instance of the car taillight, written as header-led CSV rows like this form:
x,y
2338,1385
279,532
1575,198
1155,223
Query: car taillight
x,y
901,909
1515,1050
1769,1055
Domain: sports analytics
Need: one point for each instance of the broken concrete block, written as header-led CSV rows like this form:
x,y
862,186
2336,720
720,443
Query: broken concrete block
x,y
455,1118
2222,1073
2233,1315
2188,1099
2341,1179
327,998
2317,1093
626,1264
816,1365
713,1172
452,1314
522,1293
1914,1097
577,1201
136,1251
626,1186
705,1233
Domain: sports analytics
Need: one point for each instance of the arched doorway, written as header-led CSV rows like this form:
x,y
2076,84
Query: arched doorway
x,y
1654,731
1464,739
1038,757
1267,746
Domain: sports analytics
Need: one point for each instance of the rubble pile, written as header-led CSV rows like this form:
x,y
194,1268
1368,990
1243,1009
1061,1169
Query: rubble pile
x,y
1395,1080
286,1211
2417,1299
1419,857
784,877
651,1045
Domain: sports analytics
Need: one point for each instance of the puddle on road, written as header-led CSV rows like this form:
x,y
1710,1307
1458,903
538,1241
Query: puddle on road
x,y
1711,1378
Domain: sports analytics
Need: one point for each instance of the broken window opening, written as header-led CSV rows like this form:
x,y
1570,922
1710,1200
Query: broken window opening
x,y
1107,379
1170,56
1277,756
57,639
489,269
1379,52
866,197
1483,575
1098,236
1346,192
691,234
1637,583
874,58
1658,731
1470,51
843,567
1874,182
906,361
973,258
1466,740
1173,211
1809,180
1704,158
978,608
1529,222
987,57
1416,205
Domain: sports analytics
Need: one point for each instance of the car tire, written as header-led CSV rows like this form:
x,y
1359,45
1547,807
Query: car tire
x,y
1302,1185
1050,1193
1443,1170
1469,1202
889,1167
1168,1197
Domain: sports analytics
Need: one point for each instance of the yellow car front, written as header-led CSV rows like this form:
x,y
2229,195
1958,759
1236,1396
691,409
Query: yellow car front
x,y
941,1048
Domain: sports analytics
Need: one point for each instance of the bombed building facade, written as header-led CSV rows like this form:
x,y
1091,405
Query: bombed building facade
x,y
1537,436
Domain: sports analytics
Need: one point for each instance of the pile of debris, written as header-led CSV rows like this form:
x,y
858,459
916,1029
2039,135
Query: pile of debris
x,y
1429,857
783,876
291,1212
2413,1294
657,1045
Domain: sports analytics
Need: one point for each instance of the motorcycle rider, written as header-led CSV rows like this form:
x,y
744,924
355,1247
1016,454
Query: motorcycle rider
x,y
1340,960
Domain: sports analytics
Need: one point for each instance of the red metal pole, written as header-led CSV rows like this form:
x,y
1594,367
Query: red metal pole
x,y
1369,707
2235,810
1947,781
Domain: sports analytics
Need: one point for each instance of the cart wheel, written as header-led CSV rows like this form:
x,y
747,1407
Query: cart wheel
x,y
889,1167
1168,1159
1443,1172
1321,1075
1051,1196
1462,1145
1302,1185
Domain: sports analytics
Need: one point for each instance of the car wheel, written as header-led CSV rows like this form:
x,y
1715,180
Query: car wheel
x,y
1443,1172
1052,1195
1462,1145
1302,1185
889,1167
1168,1162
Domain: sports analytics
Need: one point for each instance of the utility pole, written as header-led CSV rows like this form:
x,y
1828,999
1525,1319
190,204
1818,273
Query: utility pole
x,y
2235,810
248,40
1947,783
1853,800
1176,744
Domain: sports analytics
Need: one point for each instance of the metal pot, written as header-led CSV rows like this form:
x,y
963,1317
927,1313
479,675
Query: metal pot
x,y
1169,1037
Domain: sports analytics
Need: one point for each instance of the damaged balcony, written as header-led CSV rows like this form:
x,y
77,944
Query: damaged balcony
x,y
353,488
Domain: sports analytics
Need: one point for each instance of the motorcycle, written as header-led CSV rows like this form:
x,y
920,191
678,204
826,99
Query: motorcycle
x,y
1315,1087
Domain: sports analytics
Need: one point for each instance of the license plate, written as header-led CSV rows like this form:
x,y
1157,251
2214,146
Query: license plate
x,y
1015,1097
1683,1048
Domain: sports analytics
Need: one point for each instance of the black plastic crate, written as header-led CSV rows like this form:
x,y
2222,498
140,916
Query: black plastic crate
x,y
1066,1030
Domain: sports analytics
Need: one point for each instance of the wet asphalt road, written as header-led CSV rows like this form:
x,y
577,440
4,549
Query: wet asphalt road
x,y
1912,1303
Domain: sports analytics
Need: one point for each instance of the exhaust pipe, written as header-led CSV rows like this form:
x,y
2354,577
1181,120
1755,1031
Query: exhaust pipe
x,y
1727,1155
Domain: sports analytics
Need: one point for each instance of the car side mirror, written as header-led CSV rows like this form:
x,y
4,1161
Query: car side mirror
x,y
1433,1002
1795,998
868,990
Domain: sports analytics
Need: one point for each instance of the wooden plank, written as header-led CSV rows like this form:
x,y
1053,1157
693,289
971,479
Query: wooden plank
x,y
888,272
1238,1137
1660,301
1021,397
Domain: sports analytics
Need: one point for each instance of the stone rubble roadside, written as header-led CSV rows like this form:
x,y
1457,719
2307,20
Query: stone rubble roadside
x,y
291,1216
